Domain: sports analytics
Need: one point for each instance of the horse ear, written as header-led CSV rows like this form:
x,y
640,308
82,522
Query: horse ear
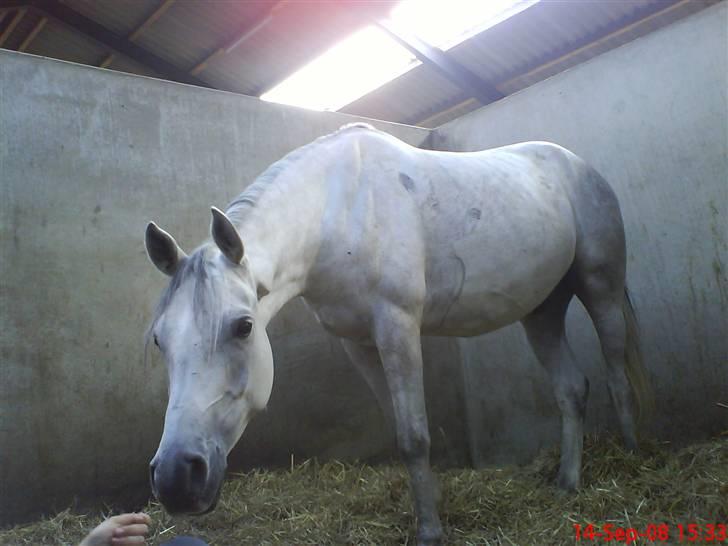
x,y
163,250
226,237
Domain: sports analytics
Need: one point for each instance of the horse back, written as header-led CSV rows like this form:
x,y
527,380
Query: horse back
x,y
472,241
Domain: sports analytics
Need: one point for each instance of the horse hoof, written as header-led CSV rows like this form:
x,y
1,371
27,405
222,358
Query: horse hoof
x,y
566,483
429,539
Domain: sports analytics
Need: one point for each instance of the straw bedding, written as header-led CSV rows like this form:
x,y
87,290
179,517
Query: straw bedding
x,y
344,503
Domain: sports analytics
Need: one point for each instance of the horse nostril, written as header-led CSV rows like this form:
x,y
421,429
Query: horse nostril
x,y
197,469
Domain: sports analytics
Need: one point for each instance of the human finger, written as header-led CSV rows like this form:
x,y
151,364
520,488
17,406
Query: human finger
x,y
137,529
129,519
128,541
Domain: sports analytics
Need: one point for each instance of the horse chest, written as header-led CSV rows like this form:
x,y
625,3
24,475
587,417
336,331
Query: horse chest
x,y
342,320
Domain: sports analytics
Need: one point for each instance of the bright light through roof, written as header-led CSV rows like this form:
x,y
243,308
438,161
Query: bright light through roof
x,y
359,64
446,23
370,58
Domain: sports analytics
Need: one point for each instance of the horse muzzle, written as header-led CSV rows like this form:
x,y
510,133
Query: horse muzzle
x,y
187,481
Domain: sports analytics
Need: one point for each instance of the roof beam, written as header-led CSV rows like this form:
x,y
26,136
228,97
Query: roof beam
x,y
11,25
149,21
80,23
246,32
32,34
445,65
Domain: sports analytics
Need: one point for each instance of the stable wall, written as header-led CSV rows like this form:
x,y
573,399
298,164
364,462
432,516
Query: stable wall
x,y
652,117
87,158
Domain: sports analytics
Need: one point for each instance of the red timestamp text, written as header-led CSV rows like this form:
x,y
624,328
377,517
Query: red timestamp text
x,y
654,532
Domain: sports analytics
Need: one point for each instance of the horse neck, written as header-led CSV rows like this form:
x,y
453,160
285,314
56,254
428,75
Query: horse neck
x,y
280,236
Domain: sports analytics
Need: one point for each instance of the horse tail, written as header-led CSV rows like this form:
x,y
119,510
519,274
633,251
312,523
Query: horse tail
x,y
634,367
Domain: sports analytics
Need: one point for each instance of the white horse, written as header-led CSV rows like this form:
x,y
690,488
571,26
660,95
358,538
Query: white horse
x,y
387,242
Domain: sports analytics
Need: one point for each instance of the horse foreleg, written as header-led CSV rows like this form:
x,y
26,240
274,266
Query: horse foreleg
x,y
365,359
397,335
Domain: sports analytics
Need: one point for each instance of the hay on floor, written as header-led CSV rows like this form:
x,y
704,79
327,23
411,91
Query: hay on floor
x,y
338,503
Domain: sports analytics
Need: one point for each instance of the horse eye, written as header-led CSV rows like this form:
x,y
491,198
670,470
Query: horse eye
x,y
242,327
156,341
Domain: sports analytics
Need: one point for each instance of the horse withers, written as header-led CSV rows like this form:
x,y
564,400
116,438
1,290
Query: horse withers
x,y
386,243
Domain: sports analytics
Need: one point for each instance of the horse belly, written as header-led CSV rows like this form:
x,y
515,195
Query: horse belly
x,y
498,273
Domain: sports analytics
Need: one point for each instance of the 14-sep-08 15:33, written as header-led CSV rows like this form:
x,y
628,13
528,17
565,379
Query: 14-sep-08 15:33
x,y
654,532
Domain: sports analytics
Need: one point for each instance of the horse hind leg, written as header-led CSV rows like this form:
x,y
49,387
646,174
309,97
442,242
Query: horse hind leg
x,y
545,329
599,282
605,300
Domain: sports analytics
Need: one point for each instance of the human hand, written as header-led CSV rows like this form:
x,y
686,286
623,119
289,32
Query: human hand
x,y
123,530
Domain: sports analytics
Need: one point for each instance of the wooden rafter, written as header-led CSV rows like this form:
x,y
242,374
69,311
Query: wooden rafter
x,y
19,14
32,34
149,21
243,34
446,65
80,23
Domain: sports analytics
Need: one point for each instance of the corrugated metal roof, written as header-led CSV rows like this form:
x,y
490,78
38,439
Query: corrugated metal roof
x,y
540,41
419,89
24,27
543,39
119,17
57,41
191,30
287,44
124,64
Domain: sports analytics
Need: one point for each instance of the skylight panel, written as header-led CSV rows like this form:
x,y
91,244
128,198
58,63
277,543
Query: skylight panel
x,y
355,66
369,58
446,23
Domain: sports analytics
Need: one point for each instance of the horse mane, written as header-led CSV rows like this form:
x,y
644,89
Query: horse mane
x,y
250,197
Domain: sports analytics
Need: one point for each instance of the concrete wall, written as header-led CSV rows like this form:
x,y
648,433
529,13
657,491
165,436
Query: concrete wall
x,y
652,117
87,157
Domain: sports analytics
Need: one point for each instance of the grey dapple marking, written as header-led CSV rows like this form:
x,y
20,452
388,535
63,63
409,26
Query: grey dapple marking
x,y
386,243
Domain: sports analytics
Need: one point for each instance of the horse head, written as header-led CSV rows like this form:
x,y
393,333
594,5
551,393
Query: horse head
x,y
219,362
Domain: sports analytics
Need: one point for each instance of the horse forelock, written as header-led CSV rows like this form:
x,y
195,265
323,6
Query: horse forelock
x,y
207,300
